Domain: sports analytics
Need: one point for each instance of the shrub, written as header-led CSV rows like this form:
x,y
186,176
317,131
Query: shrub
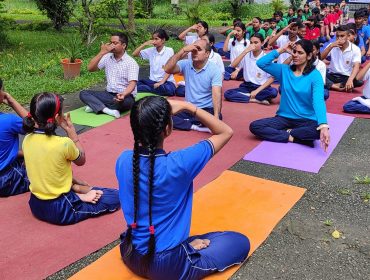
x,y
278,5
59,11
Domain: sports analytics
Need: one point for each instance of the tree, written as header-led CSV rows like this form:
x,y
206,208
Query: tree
x,y
59,11
295,3
131,15
148,7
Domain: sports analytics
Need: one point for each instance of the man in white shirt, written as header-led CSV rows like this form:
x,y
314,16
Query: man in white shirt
x,y
122,73
344,64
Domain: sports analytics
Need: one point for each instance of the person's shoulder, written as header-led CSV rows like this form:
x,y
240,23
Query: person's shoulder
x,y
10,117
355,47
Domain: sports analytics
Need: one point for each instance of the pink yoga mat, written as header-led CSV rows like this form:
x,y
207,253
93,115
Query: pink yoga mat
x,y
31,249
297,156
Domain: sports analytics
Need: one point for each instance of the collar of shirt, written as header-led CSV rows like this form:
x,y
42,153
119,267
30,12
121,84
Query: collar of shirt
x,y
162,51
145,152
200,70
251,55
121,59
349,48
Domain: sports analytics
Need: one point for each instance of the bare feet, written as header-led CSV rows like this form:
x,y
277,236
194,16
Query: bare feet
x,y
91,197
264,102
199,244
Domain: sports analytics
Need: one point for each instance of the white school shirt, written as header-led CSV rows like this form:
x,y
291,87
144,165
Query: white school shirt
x,y
217,59
281,42
190,38
251,72
321,67
236,50
157,60
342,62
366,90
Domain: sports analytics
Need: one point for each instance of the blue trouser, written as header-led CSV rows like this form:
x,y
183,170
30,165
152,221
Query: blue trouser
x,y
223,53
98,100
336,78
69,209
354,106
180,91
184,120
275,129
229,70
13,179
242,94
147,85
184,262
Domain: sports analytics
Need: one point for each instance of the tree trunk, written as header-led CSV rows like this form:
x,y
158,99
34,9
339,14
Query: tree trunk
x,y
131,15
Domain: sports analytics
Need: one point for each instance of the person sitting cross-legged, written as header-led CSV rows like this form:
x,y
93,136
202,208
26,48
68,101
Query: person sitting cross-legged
x,y
257,83
203,82
301,117
121,72
344,64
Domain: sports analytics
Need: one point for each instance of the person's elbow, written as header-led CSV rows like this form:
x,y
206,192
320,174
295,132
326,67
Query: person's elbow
x,y
92,68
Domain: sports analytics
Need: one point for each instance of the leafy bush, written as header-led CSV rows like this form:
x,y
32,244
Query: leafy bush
x,y
278,5
35,26
24,12
295,3
59,11
257,10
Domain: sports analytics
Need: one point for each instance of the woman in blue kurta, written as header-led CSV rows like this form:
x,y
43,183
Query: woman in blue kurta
x,y
156,191
301,117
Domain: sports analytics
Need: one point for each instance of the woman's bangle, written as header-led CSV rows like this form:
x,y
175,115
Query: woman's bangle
x,y
322,126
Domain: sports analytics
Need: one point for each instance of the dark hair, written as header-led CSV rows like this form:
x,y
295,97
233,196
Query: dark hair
x,y
352,29
323,6
259,36
43,109
360,13
236,20
300,10
162,34
259,19
204,24
242,26
315,11
1,84
306,5
316,44
278,13
149,118
342,28
211,42
122,37
307,46
292,8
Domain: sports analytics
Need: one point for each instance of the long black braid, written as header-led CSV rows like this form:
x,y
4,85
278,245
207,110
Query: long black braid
x,y
149,118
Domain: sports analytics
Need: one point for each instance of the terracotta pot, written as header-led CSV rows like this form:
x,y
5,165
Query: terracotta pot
x,y
71,70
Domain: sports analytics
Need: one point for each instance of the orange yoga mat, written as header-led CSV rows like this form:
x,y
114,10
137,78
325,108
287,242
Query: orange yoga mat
x,y
233,201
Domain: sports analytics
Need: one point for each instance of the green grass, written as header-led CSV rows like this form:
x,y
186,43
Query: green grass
x,y
20,5
32,63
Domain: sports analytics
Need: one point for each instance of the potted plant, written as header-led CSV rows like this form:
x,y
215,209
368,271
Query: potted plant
x,y
72,64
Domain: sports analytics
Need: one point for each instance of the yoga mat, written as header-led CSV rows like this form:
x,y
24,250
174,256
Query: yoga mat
x,y
337,99
37,249
297,156
233,201
79,116
112,138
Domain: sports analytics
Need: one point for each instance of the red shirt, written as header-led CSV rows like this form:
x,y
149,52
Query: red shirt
x,y
312,34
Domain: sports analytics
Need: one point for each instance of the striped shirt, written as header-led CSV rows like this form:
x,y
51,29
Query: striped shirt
x,y
119,72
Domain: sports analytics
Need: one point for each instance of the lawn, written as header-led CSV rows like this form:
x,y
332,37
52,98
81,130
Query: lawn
x,y
32,63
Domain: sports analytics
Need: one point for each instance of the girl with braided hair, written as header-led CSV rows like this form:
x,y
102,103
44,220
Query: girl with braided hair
x,y
57,197
156,190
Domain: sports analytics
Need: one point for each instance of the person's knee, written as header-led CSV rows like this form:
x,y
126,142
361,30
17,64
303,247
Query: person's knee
x,y
241,242
228,94
255,127
274,92
83,95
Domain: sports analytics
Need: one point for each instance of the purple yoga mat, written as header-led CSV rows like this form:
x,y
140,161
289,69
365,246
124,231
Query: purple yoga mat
x,y
297,156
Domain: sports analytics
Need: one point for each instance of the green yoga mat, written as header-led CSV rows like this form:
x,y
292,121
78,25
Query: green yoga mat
x,y
79,116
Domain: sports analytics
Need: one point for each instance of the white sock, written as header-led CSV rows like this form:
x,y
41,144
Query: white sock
x,y
200,128
113,113
88,109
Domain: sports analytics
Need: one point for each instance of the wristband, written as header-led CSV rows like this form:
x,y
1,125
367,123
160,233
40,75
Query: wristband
x,y
75,141
322,126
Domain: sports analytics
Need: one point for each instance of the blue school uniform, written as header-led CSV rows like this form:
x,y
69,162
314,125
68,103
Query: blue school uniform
x,y
13,177
172,197
364,33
